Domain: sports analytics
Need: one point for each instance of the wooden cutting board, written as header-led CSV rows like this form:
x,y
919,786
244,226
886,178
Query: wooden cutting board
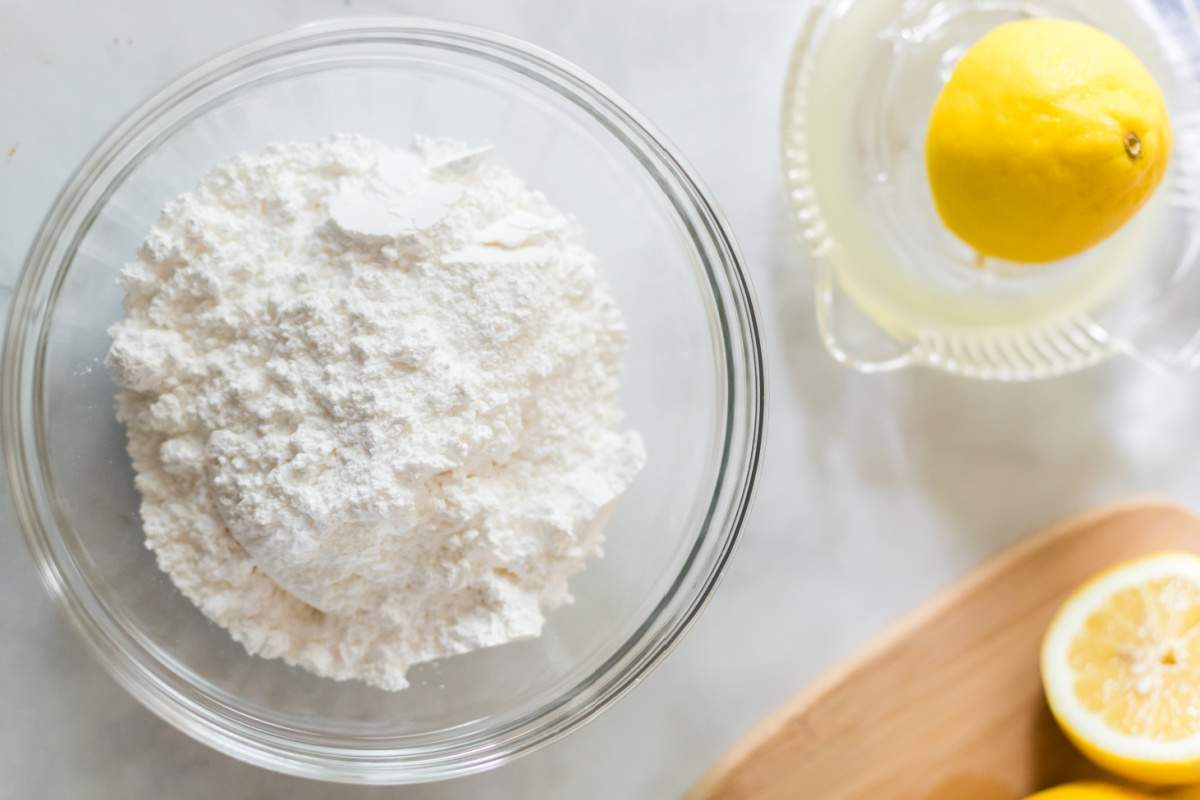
x,y
949,705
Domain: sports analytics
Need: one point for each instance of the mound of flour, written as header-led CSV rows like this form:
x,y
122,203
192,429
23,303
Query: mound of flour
x,y
372,403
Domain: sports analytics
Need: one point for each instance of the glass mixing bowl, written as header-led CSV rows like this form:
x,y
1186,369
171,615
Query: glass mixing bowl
x,y
693,387
894,288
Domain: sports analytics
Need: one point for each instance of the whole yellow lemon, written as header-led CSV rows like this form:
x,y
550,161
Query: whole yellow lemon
x,y
1087,791
1047,138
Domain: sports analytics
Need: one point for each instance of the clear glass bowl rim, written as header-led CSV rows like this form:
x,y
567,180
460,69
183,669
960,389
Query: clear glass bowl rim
x,y
188,707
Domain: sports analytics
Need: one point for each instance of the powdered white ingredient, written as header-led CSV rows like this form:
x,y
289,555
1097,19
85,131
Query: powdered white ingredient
x,y
371,399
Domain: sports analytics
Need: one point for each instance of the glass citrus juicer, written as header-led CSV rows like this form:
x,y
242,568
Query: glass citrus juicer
x,y
894,287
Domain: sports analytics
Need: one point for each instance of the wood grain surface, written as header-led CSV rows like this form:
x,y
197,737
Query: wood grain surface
x,y
949,705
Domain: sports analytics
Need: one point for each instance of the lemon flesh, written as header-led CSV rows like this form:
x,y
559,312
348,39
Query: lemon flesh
x,y
1121,669
1047,138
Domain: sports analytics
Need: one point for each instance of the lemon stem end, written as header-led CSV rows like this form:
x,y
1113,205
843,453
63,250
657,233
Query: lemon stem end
x,y
1133,145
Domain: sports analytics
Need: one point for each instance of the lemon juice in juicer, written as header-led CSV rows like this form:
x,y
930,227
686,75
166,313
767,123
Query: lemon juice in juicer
x,y
999,189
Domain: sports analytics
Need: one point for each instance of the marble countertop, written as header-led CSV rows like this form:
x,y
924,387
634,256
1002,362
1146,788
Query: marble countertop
x,y
876,491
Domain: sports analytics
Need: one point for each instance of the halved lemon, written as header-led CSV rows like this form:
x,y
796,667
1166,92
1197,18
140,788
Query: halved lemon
x,y
1121,668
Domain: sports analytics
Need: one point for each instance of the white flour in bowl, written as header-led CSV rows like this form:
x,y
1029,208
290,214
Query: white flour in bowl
x,y
372,403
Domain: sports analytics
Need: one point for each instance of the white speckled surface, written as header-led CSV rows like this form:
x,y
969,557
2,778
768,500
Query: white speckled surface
x,y
876,492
